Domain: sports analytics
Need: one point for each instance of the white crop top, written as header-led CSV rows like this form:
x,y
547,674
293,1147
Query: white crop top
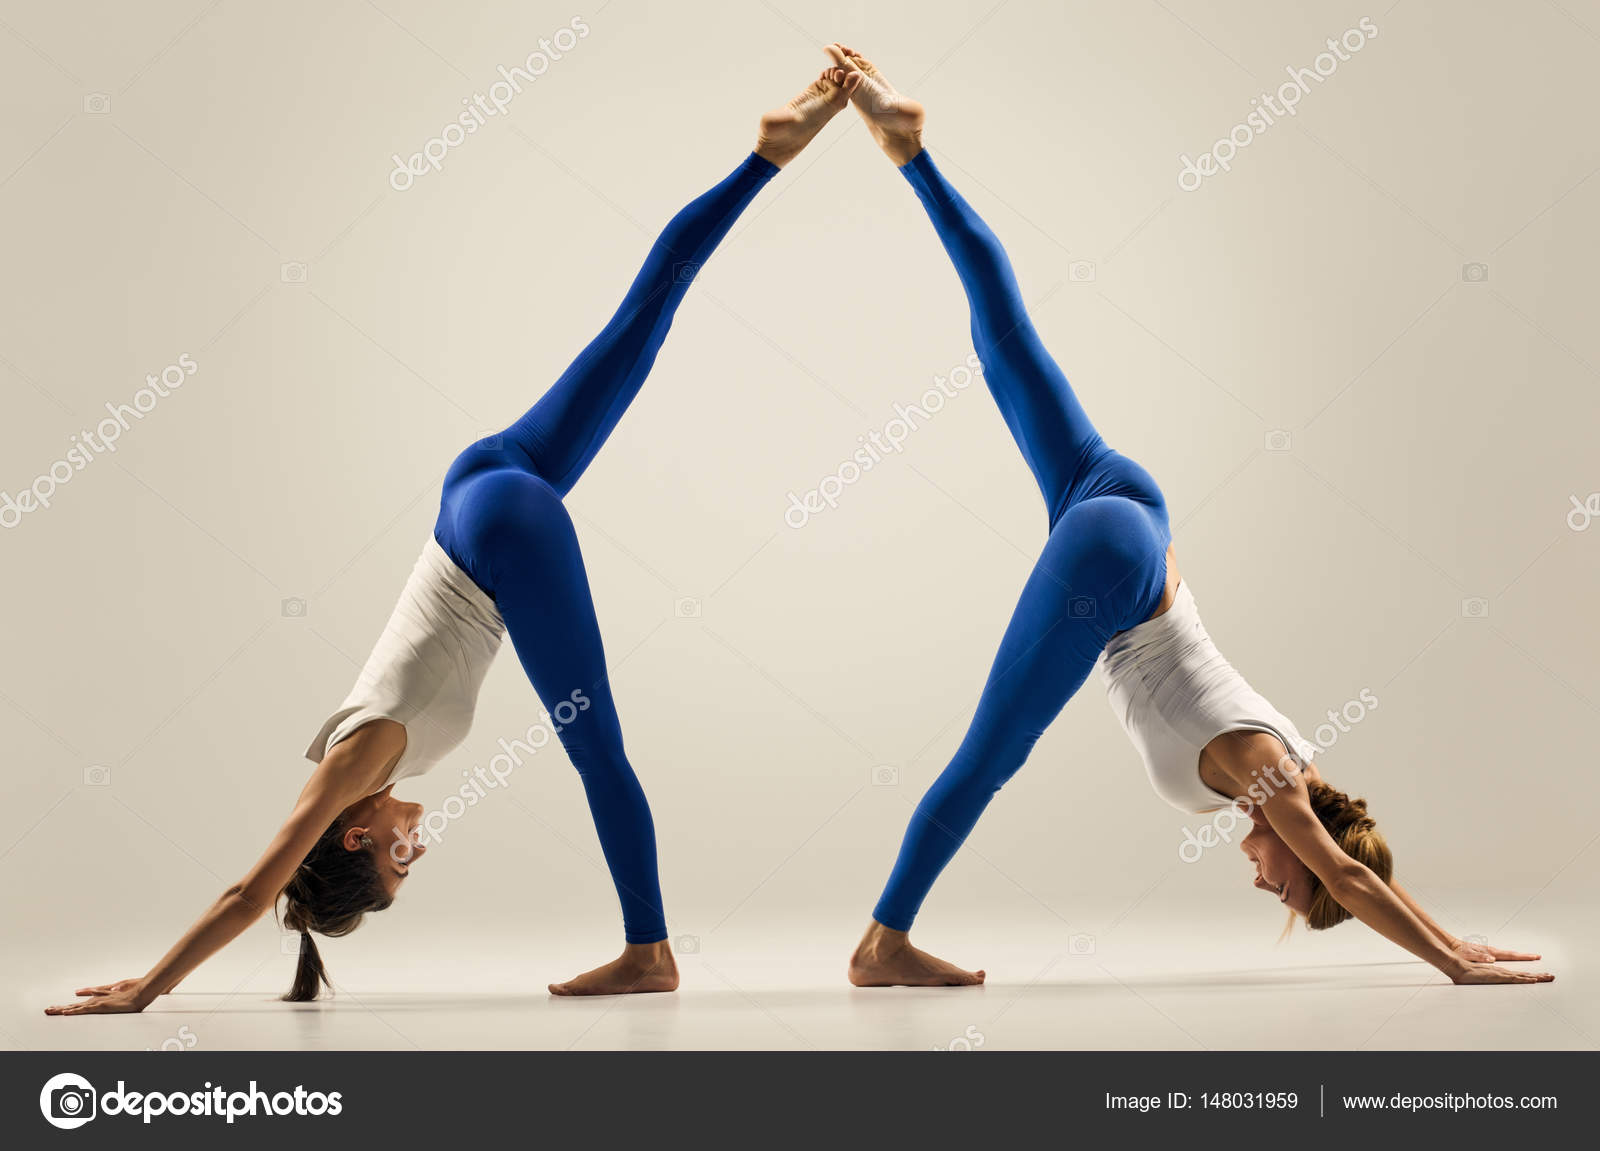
x,y
426,668
1174,693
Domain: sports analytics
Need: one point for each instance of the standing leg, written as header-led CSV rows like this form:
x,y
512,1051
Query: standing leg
x,y
1094,566
520,532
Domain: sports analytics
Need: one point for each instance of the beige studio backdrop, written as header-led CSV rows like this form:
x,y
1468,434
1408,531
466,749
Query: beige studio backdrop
x,y
1362,362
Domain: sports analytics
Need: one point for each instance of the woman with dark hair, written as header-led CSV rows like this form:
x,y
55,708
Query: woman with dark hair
x,y
1105,593
502,558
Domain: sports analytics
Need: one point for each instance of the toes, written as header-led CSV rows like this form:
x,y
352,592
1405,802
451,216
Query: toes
x,y
839,56
852,81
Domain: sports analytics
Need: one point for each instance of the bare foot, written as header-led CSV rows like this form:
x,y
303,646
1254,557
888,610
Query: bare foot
x,y
786,130
885,958
894,120
641,967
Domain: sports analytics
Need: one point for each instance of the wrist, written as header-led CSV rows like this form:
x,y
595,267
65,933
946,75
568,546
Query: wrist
x,y
1452,965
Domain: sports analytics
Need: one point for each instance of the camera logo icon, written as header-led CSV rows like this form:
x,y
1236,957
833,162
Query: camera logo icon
x,y
687,607
1278,440
294,608
1475,607
67,1101
97,775
490,441
687,945
294,272
1475,273
885,775
1080,945
1081,607
97,103
685,270
1081,271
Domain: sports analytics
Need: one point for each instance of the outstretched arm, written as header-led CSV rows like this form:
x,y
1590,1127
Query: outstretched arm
x,y
354,768
1359,891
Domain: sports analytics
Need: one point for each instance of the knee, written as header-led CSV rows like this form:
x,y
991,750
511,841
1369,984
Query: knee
x,y
605,770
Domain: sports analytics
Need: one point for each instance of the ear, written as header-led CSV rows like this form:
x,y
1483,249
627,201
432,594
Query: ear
x,y
1258,817
352,837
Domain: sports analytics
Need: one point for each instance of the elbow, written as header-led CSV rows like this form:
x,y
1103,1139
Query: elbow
x,y
240,899
1351,881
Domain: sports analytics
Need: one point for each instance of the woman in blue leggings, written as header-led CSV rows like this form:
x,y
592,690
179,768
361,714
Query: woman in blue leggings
x,y
1106,591
503,559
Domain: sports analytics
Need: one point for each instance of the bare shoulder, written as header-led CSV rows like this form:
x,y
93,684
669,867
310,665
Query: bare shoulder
x,y
362,760
1250,759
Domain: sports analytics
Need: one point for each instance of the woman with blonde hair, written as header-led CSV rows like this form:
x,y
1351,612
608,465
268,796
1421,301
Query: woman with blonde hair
x,y
1105,593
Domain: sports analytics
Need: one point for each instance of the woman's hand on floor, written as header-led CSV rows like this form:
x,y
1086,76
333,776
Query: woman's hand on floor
x,y
1483,953
1485,973
126,996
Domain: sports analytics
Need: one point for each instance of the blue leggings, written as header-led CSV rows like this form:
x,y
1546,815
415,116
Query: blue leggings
x,y
1102,571
502,521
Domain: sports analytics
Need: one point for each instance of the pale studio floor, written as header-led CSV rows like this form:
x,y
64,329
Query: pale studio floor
x,y
1190,986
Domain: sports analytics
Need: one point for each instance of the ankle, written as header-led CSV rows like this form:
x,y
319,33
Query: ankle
x,y
649,955
880,942
902,149
777,157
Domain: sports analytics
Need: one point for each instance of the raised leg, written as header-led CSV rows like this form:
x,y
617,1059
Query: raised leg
x,y
560,434
1054,433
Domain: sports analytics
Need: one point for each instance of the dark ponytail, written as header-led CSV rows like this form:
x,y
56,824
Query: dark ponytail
x,y
330,893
